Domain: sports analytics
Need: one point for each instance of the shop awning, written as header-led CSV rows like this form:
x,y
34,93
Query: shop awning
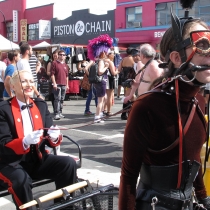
x,y
41,45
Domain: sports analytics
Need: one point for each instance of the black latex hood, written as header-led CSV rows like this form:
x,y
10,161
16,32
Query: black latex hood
x,y
178,26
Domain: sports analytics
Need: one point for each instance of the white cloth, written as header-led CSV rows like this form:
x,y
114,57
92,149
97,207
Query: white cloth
x,y
207,87
27,122
3,67
23,64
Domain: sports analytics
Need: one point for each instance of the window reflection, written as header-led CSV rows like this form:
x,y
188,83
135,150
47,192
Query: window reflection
x,y
9,26
201,9
134,17
33,31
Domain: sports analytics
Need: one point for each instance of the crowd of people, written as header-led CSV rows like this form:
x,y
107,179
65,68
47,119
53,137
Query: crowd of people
x,y
25,59
57,72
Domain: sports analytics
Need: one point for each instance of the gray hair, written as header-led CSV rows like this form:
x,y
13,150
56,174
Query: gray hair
x,y
147,51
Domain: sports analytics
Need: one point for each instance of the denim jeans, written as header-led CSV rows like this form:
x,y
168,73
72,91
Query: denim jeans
x,y
89,98
59,96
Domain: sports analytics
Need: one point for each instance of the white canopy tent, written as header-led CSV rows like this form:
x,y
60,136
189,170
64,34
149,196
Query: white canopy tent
x,y
41,45
7,45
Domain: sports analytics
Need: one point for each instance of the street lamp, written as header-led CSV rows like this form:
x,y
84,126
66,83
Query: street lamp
x,y
4,18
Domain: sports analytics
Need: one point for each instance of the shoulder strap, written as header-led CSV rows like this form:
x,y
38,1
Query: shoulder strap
x,y
186,127
145,66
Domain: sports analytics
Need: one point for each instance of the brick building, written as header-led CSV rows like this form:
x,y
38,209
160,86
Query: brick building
x,y
15,12
145,21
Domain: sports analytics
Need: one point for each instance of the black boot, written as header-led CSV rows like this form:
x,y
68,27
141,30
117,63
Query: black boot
x,y
123,115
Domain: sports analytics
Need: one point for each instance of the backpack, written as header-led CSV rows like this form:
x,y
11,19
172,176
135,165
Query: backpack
x,y
93,74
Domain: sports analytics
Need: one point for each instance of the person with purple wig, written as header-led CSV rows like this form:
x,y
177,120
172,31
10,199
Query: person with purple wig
x,y
97,52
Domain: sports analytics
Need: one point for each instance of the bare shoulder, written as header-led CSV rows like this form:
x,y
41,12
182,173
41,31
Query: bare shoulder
x,y
140,64
154,67
49,64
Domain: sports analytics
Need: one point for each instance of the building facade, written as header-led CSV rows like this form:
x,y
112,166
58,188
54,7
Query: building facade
x,y
134,22
40,24
25,24
145,21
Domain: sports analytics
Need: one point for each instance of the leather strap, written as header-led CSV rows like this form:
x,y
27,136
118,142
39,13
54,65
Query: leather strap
x,y
144,67
164,202
186,127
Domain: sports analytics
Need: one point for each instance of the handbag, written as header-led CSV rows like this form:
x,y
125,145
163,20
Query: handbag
x,y
127,73
131,74
85,83
93,74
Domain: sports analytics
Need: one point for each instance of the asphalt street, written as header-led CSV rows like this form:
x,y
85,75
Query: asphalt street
x,y
101,145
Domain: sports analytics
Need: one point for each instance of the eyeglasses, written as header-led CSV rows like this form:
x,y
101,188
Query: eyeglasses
x,y
201,40
62,54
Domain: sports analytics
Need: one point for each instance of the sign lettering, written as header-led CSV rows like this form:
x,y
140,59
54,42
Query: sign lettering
x,y
23,31
15,25
158,34
81,27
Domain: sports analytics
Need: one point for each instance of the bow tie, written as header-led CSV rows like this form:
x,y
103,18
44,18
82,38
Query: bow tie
x,y
27,105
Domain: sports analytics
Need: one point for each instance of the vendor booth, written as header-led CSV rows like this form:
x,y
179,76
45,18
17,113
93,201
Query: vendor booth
x,y
75,53
7,45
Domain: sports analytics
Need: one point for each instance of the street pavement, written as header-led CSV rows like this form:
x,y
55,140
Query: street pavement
x,y
101,145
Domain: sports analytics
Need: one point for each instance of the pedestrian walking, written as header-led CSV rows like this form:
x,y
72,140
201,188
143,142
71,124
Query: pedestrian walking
x,y
97,50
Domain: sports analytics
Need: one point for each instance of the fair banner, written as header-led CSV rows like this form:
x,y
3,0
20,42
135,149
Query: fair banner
x,y
15,25
44,29
23,30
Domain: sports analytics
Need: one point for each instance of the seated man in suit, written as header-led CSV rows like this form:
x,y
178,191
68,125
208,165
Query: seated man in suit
x,y
23,139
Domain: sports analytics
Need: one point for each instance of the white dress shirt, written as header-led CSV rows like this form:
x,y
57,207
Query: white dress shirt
x,y
26,119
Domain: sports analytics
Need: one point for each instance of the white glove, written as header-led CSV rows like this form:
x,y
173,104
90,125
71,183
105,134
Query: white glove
x,y
122,100
54,132
33,138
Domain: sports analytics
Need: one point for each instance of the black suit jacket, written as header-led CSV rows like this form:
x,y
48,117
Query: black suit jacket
x,y
8,131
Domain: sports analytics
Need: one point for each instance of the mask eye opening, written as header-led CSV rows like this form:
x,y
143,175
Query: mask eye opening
x,y
201,40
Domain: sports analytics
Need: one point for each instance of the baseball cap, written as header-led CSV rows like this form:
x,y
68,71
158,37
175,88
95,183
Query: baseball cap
x,y
134,52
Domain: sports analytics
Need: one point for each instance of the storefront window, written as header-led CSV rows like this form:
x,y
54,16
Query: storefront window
x,y
9,26
33,31
201,9
204,10
134,17
163,15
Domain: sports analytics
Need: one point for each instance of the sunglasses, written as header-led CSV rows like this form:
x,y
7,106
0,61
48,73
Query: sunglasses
x,y
201,40
62,54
